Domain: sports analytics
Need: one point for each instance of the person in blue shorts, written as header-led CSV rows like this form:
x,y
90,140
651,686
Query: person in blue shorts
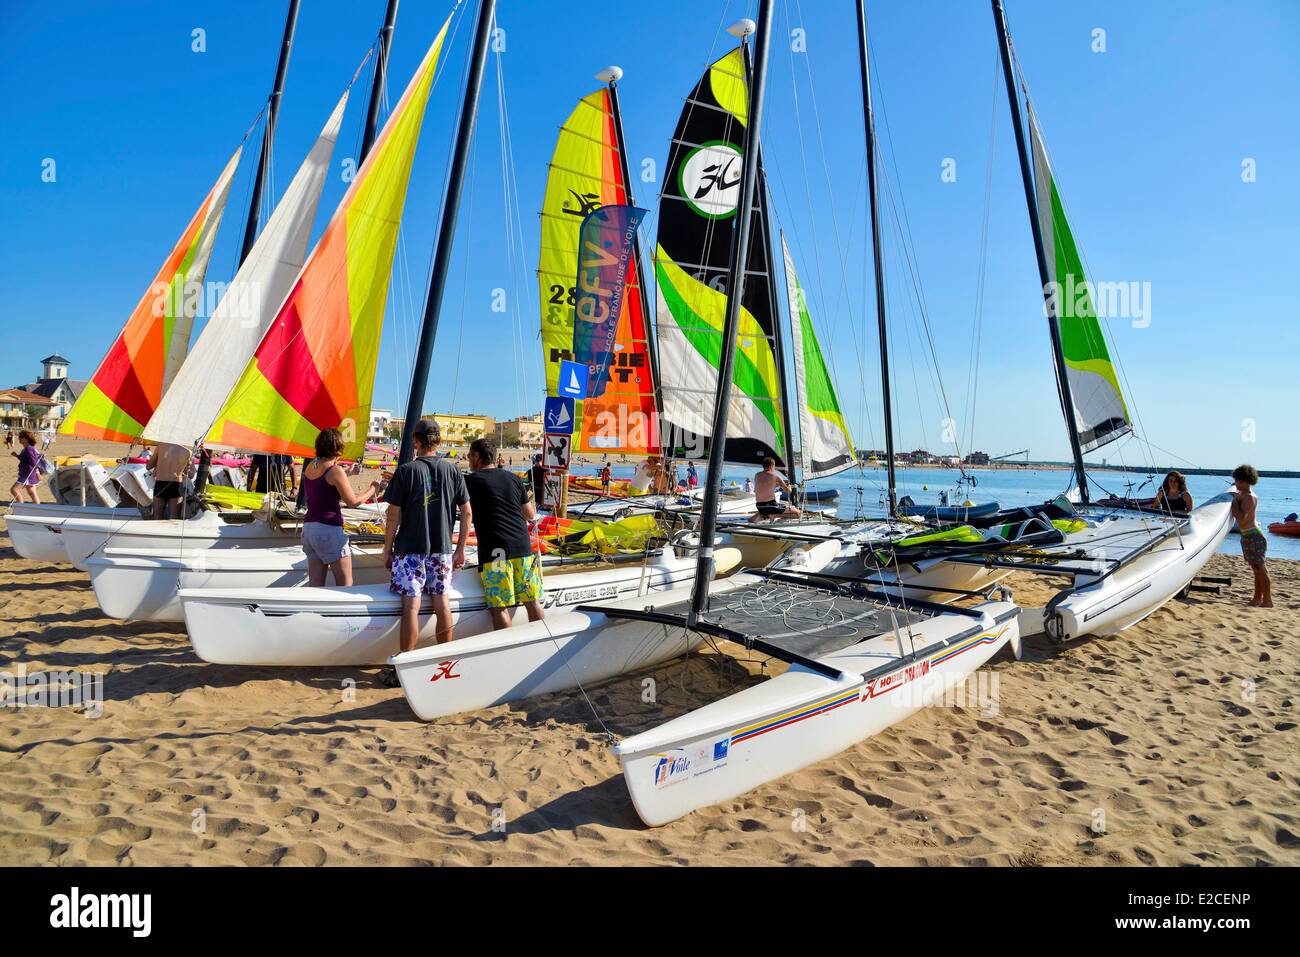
x,y
425,497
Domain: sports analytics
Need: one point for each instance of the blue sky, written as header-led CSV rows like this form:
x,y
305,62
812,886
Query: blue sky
x,y
1147,138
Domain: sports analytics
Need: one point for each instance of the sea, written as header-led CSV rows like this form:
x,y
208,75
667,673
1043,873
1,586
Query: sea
x,y
862,491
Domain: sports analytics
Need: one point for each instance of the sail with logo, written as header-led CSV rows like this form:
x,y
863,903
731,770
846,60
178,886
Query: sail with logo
x,y
698,204
588,172
825,445
1100,414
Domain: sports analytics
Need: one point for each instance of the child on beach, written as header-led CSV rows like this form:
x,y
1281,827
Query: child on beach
x,y
29,474
1253,543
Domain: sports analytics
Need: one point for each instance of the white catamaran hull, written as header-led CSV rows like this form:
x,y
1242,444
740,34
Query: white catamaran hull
x,y
144,584
800,717
564,651
37,530
1145,584
359,625
86,537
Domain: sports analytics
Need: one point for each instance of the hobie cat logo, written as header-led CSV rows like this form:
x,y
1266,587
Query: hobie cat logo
x,y
710,179
72,910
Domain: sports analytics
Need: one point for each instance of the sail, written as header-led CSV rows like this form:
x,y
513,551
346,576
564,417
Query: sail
x,y
121,396
237,325
825,446
314,368
1100,415
700,196
586,173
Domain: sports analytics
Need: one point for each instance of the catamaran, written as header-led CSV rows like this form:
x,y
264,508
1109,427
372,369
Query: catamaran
x,y
1126,562
148,387
881,658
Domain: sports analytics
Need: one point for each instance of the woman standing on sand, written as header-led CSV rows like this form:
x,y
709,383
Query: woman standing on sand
x,y
29,475
326,491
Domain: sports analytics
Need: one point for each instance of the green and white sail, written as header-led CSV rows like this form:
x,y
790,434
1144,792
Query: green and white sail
x,y
696,215
825,445
1100,415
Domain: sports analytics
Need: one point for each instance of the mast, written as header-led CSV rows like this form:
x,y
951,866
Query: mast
x,y
612,75
777,340
385,44
1053,322
731,319
268,134
447,228
870,120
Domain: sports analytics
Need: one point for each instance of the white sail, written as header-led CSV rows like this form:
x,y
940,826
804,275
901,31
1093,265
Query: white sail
x,y
1100,415
237,325
825,446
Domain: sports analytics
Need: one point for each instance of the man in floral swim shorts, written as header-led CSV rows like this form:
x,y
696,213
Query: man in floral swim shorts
x,y
423,499
502,506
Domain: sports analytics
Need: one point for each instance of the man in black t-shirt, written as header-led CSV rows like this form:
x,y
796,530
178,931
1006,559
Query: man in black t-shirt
x,y
537,475
502,507
424,499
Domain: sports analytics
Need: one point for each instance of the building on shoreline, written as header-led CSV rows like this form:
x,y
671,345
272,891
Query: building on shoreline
x,y
526,430
54,387
21,409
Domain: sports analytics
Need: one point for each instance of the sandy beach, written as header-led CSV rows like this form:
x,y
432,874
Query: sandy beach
x,y
1172,743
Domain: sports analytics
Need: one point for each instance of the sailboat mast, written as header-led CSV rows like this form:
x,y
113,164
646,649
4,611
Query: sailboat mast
x,y
268,134
646,291
447,228
377,83
731,320
778,342
1053,322
870,120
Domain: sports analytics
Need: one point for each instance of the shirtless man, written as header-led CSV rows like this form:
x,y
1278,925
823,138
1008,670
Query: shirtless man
x,y
170,465
766,483
1253,543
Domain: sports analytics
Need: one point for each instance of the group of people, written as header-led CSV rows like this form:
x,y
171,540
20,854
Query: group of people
x,y
426,498
1173,496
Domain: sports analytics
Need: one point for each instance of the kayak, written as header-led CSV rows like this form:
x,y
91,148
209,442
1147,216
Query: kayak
x,y
948,513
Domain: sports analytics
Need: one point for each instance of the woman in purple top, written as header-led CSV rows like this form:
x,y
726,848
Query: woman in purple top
x,y
326,490
29,475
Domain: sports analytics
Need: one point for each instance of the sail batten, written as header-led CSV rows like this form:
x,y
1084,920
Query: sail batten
x,y
120,398
314,367
1100,413
697,209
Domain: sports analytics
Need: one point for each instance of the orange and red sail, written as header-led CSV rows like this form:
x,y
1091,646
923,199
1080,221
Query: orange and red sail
x,y
315,366
120,398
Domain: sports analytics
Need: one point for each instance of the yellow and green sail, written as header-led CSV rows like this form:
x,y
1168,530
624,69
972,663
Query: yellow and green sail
x,y
700,196
825,445
1100,415
120,398
315,366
